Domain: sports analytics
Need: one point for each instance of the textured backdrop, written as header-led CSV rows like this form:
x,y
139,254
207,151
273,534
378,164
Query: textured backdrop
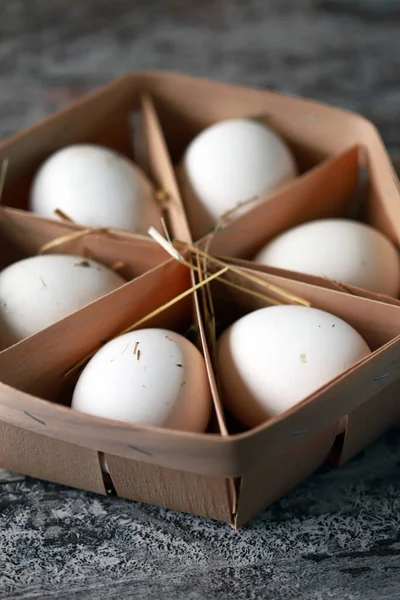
x,y
342,51
338,534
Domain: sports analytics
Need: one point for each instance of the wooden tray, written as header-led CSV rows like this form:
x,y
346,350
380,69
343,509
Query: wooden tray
x,y
226,473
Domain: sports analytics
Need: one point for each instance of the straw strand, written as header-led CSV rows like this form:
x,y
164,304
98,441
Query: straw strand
x,y
70,237
149,316
3,174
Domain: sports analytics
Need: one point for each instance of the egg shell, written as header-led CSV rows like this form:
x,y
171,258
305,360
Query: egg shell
x,y
228,163
148,377
95,186
339,249
274,357
40,290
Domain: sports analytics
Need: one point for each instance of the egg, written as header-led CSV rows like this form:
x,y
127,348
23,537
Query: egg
x,y
95,186
147,377
40,290
339,249
275,357
228,164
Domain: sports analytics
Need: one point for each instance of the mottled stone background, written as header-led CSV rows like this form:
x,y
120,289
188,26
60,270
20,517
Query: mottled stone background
x,y
342,51
337,535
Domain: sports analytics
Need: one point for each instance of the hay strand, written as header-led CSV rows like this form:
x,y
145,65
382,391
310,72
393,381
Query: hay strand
x,y
149,316
3,175
60,213
168,247
70,237
288,296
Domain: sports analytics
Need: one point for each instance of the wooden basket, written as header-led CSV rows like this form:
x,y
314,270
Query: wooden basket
x,y
226,473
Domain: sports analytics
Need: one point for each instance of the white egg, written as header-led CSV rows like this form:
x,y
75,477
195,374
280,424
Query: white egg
x,y
148,377
339,249
38,291
228,164
95,186
274,357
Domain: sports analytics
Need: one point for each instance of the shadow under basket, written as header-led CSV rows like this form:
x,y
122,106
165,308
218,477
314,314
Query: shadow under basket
x,y
227,473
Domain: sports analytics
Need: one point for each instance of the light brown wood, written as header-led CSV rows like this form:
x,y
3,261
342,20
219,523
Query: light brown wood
x,y
356,310
99,117
35,367
262,487
313,130
22,234
368,422
324,191
169,465
32,454
207,351
197,494
312,279
107,131
162,172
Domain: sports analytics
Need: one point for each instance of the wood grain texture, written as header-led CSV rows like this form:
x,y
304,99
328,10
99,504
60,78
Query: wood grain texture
x,y
46,458
87,121
262,487
296,203
203,454
58,348
312,280
23,234
368,422
162,171
197,494
333,131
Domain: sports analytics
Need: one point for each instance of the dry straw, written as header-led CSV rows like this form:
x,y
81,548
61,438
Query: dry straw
x,y
3,175
204,276
70,237
224,268
287,296
149,316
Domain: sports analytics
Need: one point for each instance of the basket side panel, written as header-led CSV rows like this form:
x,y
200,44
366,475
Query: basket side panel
x,y
369,421
264,486
47,458
201,495
99,117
